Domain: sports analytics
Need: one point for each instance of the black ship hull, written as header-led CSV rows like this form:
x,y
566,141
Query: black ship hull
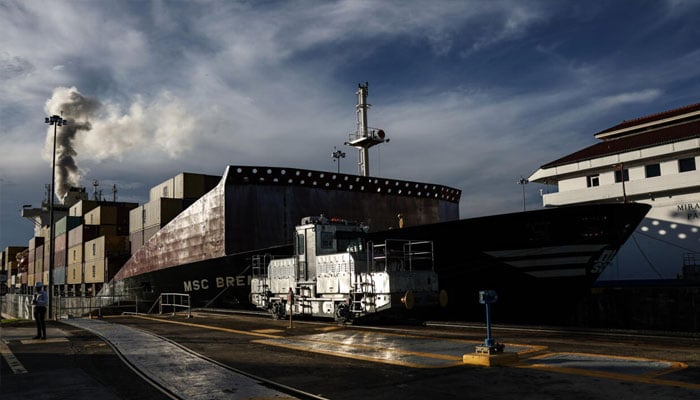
x,y
540,262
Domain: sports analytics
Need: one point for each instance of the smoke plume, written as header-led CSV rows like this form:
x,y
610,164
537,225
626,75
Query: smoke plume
x,y
76,109
102,130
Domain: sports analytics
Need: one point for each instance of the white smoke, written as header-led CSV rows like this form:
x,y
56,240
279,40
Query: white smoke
x,y
76,109
98,131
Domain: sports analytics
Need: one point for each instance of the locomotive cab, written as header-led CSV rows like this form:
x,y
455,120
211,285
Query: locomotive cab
x,y
336,273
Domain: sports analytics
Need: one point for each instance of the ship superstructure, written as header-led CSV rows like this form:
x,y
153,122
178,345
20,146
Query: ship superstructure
x,y
651,160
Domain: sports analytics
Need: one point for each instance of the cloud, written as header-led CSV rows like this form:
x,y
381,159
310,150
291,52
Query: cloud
x,y
472,94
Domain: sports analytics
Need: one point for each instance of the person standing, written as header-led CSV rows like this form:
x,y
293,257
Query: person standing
x,y
40,302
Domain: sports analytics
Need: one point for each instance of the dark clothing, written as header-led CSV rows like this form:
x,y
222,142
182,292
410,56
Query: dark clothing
x,y
40,318
40,302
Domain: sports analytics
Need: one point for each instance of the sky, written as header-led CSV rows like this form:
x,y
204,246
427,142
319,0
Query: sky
x,y
473,94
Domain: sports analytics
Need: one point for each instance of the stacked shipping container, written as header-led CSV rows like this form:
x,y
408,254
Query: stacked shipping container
x,y
166,201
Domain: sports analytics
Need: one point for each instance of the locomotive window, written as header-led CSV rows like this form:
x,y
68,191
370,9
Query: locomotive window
x,y
346,240
300,244
326,240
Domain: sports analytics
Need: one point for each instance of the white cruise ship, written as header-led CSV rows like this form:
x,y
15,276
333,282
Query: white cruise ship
x,y
652,160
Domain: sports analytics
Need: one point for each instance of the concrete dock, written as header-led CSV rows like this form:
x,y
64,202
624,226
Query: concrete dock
x,y
214,356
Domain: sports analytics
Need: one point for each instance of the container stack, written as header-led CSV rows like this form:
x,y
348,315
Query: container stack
x,y
166,201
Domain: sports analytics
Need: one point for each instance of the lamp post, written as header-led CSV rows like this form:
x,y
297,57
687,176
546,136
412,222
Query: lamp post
x,y
337,155
56,121
522,182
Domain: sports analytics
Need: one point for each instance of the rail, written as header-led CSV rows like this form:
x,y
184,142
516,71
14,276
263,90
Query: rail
x,y
175,301
401,255
80,306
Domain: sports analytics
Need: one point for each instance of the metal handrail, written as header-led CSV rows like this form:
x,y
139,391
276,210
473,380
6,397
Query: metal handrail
x,y
175,300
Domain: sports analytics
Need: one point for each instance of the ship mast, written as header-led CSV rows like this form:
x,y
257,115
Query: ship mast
x,y
364,137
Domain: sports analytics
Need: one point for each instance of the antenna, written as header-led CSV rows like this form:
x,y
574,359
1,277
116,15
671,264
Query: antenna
x,y
364,137
95,185
114,193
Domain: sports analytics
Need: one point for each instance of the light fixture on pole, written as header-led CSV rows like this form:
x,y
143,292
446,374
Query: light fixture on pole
x,y
337,155
522,182
56,121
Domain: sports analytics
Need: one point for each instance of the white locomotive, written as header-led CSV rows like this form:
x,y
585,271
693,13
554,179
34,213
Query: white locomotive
x,y
336,273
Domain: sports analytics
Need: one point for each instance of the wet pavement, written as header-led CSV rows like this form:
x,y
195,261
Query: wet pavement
x,y
234,356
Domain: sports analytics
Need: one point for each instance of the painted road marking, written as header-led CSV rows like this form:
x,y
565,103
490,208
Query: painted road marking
x,y
12,361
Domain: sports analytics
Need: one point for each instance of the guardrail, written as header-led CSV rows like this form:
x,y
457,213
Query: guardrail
x,y
175,301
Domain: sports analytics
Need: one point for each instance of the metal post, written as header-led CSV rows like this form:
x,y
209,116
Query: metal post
x,y
489,340
56,121
522,181
488,297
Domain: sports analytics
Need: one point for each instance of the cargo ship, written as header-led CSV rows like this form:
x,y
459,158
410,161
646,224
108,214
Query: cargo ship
x,y
540,262
206,250
548,256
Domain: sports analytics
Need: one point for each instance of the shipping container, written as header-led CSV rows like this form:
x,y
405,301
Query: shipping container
x,y
101,215
39,259
136,219
161,211
59,242
61,254
123,210
136,241
67,223
193,186
83,206
60,258
163,189
95,271
108,230
106,246
35,242
75,273
45,233
75,254
47,256
149,232
82,233
59,275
